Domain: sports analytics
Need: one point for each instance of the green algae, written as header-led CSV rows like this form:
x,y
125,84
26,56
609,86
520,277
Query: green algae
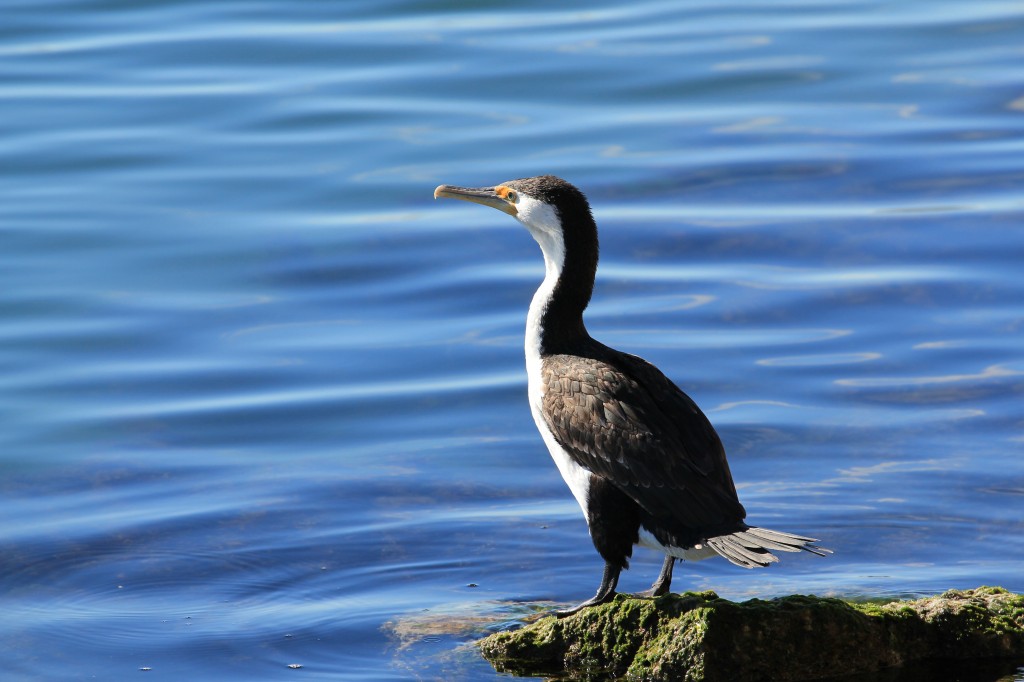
x,y
699,637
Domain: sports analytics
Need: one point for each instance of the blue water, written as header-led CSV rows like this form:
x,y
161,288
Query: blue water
x,y
263,400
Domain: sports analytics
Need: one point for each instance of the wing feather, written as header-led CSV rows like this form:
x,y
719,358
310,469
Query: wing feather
x,y
619,417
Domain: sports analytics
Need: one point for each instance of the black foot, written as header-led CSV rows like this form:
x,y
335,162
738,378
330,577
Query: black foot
x,y
664,581
605,593
593,601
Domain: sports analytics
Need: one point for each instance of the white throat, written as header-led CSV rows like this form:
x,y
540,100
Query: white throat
x,y
542,222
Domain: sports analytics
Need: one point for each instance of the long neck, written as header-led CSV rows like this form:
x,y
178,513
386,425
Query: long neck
x,y
555,321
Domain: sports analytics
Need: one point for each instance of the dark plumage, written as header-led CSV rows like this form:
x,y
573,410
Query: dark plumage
x,y
642,460
624,421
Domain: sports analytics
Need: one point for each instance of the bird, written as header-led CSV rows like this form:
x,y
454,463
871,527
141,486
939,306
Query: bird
x,y
642,460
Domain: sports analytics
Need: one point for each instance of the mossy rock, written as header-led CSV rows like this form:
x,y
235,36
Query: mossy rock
x,y
700,637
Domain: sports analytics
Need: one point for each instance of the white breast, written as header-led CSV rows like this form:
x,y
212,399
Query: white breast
x,y
575,476
542,222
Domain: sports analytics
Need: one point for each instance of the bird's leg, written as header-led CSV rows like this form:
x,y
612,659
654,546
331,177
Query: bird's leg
x,y
605,593
663,582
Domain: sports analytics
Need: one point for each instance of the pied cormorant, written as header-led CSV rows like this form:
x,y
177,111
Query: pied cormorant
x,y
642,460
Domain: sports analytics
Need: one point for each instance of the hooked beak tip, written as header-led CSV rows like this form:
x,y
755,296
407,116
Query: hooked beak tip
x,y
486,196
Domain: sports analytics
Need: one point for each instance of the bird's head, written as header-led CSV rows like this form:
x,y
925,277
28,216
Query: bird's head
x,y
554,211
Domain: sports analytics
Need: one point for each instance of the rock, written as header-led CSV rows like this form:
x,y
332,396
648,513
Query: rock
x,y
700,637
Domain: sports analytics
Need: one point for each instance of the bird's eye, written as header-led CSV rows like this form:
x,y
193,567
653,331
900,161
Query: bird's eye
x,y
511,197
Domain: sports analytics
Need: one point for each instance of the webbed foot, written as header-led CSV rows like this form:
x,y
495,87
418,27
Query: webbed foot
x,y
605,593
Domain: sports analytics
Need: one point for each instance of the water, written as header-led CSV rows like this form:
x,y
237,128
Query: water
x,y
263,400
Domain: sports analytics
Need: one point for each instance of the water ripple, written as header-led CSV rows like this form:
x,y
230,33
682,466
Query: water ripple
x,y
262,395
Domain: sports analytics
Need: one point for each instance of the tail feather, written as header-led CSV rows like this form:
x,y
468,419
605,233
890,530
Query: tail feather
x,y
754,540
752,547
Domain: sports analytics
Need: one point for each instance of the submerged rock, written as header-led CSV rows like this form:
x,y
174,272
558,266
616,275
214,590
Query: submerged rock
x,y
700,637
